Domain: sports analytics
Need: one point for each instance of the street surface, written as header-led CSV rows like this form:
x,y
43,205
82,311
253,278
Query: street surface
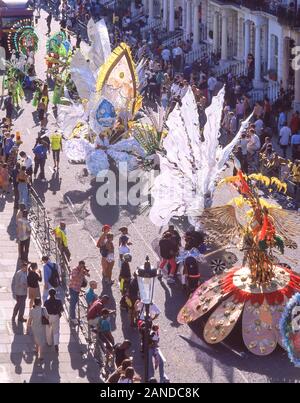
x,y
71,197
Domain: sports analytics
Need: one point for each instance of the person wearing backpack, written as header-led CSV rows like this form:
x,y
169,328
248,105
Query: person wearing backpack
x,y
51,276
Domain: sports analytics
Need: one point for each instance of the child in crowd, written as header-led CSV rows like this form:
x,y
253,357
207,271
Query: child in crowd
x,y
90,294
124,242
125,274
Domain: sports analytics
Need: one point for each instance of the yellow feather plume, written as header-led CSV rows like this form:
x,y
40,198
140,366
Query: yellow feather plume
x,y
280,185
261,178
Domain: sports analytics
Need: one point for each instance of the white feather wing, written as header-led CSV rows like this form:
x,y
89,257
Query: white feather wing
x,y
68,116
82,76
101,48
175,188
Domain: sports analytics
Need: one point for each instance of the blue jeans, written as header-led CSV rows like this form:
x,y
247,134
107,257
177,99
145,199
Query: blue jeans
x,y
23,194
155,352
74,297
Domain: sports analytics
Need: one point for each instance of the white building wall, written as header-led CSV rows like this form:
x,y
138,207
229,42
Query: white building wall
x,y
276,30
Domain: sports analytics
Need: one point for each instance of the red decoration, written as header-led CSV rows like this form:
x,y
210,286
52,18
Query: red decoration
x,y
275,297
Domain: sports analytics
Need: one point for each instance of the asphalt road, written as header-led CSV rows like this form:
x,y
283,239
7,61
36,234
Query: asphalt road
x,y
71,196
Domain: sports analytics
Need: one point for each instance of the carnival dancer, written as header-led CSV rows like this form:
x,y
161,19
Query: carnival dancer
x,y
58,91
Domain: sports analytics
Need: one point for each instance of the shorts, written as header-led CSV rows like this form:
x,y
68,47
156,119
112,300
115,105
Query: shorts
x,y
56,154
123,250
34,293
110,258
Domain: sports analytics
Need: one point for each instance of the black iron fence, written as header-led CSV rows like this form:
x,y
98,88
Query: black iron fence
x,y
43,234
286,14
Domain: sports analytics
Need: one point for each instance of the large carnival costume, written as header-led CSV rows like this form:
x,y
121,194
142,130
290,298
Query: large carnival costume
x,y
190,164
107,85
259,289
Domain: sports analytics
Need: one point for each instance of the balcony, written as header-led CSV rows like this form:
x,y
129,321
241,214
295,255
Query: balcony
x,y
286,14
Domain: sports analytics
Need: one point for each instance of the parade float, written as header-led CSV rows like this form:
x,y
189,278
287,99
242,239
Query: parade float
x,y
290,329
191,163
98,127
257,291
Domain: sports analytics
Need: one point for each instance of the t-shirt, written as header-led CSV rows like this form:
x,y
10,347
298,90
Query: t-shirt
x,y
104,325
125,270
40,152
55,140
95,310
211,83
33,279
243,144
90,296
166,54
259,124
120,355
295,139
168,248
285,134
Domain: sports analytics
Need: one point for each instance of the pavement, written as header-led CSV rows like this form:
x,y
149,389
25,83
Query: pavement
x,y
72,196
18,363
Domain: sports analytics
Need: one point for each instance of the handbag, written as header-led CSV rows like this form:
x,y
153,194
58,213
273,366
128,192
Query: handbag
x,y
45,320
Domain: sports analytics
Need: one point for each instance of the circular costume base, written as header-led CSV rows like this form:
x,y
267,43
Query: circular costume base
x,y
234,295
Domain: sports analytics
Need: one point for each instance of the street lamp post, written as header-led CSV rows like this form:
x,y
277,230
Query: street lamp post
x,y
146,276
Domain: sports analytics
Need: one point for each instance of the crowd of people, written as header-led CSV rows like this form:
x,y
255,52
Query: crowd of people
x,y
168,78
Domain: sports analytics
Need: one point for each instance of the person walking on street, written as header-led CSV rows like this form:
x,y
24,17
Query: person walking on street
x,y
110,259
40,156
62,240
34,276
9,107
101,244
19,288
23,180
78,41
37,325
48,21
54,309
76,279
23,236
51,276
56,147
27,162
285,135
95,310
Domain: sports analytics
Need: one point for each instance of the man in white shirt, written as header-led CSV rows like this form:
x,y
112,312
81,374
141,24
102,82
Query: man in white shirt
x,y
166,55
177,56
254,143
284,138
26,161
211,83
259,124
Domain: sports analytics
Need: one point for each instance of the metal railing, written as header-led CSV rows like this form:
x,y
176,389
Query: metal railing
x,y
152,24
44,237
237,69
285,14
173,38
204,50
272,91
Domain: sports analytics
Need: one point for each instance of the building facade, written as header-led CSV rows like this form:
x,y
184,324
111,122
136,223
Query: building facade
x,y
267,30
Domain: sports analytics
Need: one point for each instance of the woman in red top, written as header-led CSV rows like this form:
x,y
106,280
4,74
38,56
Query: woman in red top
x,y
295,123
